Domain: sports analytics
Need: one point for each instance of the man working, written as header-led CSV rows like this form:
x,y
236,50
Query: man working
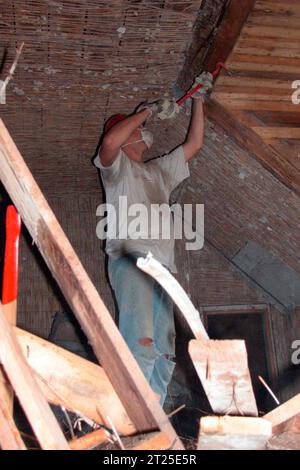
x,y
146,318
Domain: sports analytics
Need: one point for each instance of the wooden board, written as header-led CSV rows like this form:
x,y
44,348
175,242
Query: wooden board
x,y
233,433
222,367
33,402
73,382
110,348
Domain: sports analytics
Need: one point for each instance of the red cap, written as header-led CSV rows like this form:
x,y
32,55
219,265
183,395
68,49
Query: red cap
x,y
113,120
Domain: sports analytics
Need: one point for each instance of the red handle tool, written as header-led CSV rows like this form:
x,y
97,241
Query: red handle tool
x,y
215,73
11,256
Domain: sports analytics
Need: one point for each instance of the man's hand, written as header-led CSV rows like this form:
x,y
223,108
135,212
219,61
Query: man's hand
x,y
206,80
163,109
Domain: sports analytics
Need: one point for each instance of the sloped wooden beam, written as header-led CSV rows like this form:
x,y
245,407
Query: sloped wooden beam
x,y
110,348
10,438
222,366
33,402
233,433
73,382
228,32
251,142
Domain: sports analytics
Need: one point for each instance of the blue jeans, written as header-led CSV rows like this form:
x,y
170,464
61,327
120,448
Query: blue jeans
x,y
146,320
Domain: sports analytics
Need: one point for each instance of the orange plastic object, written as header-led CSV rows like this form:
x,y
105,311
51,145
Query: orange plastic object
x,y
11,255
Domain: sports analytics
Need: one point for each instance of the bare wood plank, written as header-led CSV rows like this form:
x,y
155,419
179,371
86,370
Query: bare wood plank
x,y
271,32
35,406
253,105
254,91
260,42
254,96
245,82
233,433
110,348
222,367
229,30
283,413
89,441
284,8
268,51
73,382
10,438
256,59
278,132
263,66
277,21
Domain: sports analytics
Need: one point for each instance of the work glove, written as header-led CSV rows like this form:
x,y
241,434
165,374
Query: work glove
x,y
206,79
162,109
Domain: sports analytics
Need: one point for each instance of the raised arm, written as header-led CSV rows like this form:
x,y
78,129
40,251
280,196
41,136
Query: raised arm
x,y
194,140
118,135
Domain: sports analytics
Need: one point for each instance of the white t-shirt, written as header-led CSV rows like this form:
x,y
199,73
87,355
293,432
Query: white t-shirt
x,y
149,184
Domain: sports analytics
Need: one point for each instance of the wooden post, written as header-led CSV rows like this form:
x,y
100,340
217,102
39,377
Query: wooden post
x,y
27,390
233,433
110,348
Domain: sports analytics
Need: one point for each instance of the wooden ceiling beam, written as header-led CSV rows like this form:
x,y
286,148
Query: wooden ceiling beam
x,y
228,32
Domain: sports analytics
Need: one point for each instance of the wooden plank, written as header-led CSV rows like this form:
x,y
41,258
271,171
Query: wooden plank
x,y
89,441
283,8
253,105
271,32
263,66
110,348
245,82
268,51
233,433
256,59
257,19
278,132
283,413
73,382
261,43
10,438
228,32
250,141
33,402
222,367
235,95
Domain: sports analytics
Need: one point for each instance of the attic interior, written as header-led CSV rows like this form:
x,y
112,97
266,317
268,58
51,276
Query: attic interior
x,y
82,62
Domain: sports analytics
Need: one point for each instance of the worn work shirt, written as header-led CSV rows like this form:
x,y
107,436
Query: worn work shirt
x,y
150,185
